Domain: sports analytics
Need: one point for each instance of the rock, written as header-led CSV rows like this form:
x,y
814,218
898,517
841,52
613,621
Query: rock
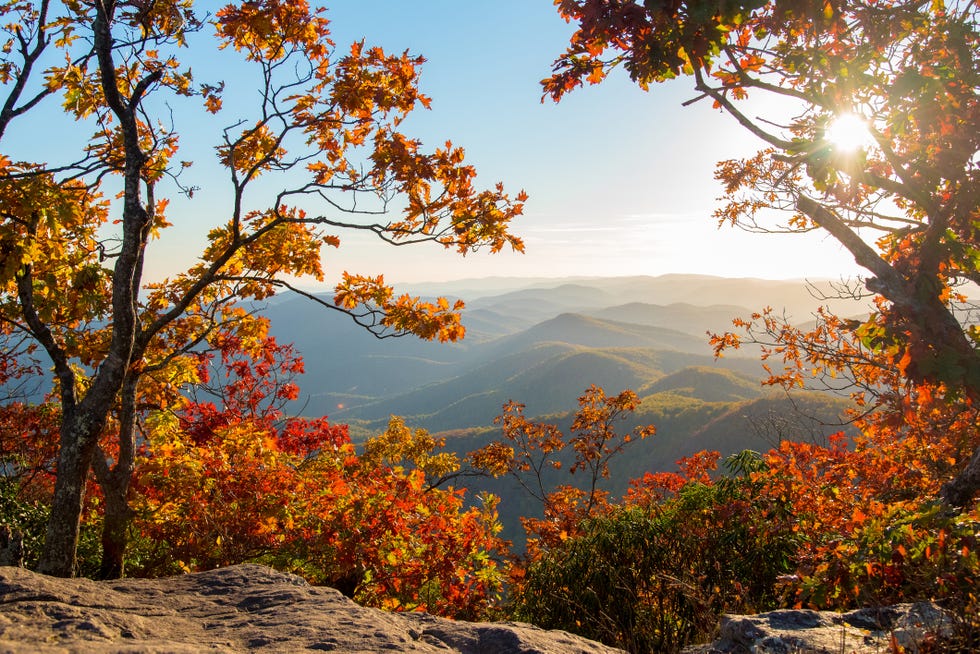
x,y
244,608
864,631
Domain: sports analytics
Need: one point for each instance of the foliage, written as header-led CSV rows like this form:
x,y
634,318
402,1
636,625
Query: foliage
x,y
536,447
903,201
825,524
242,482
906,553
26,458
873,536
224,477
26,451
400,446
378,533
318,153
22,516
654,573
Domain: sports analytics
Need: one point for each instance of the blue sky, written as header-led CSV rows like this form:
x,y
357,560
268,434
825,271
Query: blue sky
x,y
620,181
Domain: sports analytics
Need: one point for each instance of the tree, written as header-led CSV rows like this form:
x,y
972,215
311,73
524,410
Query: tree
x,y
653,573
324,132
535,448
904,203
230,478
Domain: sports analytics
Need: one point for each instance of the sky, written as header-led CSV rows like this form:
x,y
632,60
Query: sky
x,y
620,181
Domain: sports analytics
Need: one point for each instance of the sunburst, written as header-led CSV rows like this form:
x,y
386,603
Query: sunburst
x,y
848,133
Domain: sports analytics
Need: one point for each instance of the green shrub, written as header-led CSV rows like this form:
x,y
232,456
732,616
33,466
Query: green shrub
x,y
29,519
29,516
656,578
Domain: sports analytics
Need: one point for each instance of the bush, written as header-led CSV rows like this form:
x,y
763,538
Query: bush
x,y
908,553
27,518
21,512
655,578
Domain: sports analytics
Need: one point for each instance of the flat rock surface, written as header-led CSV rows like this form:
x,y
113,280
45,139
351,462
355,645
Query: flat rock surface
x,y
864,631
244,608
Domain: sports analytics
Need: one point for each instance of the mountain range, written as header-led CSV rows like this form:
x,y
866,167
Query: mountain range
x,y
540,342
543,342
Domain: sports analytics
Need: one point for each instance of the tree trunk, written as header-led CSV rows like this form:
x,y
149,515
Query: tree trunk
x,y
115,482
959,491
83,422
78,440
115,531
940,349
949,357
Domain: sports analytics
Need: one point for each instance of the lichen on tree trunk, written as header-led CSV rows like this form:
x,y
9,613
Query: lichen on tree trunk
x,y
74,459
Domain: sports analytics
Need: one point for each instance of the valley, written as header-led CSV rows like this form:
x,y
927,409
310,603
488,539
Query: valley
x,y
542,343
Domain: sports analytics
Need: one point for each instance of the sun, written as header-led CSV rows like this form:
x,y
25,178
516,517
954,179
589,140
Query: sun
x,y
848,133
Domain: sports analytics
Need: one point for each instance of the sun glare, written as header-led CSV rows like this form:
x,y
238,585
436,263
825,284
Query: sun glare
x,y
848,133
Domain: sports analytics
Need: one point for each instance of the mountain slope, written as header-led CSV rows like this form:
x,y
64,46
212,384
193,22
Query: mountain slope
x,y
585,331
691,319
548,378
511,354
709,384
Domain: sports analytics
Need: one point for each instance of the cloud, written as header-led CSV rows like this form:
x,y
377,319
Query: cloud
x,y
663,218
624,224
564,229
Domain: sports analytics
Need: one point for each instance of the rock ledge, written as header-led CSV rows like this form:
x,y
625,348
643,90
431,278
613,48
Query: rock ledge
x,y
244,608
863,631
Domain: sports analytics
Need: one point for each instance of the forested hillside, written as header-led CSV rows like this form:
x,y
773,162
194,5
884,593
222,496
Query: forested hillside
x,y
543,342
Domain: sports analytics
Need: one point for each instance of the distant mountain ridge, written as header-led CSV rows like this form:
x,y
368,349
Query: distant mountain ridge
x,y
542,343
351,376
798,296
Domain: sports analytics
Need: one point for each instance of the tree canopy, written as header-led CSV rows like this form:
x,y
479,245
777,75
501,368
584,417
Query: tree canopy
x,y
76,234
903,199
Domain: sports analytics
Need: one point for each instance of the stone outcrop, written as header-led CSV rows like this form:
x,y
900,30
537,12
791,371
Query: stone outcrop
x,y
244,608
864,631
252,608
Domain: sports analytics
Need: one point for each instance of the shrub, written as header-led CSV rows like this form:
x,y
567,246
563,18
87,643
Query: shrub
x,y
656,577
907,553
